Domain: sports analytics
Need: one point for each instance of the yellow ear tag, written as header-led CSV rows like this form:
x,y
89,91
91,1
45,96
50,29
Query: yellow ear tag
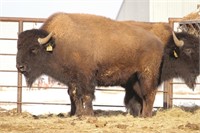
x,y
49,48
175,54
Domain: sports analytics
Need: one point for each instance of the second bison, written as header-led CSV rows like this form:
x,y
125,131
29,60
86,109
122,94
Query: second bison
x,y
180,60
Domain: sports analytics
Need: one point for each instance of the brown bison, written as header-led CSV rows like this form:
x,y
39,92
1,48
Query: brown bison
x,y
84,51
180,60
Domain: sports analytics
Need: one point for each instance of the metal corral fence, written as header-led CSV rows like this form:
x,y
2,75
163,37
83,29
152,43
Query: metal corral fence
x,y
167,87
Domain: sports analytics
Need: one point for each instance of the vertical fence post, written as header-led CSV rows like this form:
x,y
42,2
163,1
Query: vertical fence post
x,y
170,82
168,94
165,95
19,80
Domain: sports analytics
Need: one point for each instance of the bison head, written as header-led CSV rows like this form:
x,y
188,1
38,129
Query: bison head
x,y
32,53
182,58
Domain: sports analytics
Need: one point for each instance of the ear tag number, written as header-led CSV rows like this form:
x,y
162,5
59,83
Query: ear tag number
x,y
175,54
49,48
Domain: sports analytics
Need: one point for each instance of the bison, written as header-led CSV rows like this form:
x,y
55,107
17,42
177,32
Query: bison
x,y
83,51
179,61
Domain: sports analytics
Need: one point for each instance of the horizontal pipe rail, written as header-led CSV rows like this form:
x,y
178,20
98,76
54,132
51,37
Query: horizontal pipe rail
x,y
189,21
36,87
2,54
184,83
8,70
185,98
67,104
50,103
14,19
12,39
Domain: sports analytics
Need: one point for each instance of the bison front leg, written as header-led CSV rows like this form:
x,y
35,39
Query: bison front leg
x,y
87,104
88,97
73,105
148,102
81,98
76,101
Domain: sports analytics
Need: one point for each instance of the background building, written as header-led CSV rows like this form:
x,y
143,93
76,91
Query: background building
x,y
156,10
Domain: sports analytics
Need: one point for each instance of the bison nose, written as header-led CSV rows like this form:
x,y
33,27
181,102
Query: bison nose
x,y
21,68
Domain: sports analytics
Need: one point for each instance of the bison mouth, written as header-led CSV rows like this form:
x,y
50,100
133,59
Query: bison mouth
x,y
29,74
191,82
191,85
29,80
30,77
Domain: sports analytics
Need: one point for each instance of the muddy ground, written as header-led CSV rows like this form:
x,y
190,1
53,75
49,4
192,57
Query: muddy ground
x,y
176,120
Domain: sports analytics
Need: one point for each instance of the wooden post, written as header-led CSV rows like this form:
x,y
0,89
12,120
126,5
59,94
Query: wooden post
x,y
19,82
168,94
165,96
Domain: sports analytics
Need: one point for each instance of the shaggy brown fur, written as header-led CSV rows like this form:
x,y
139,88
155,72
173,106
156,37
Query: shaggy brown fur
x,y
161,29
90,50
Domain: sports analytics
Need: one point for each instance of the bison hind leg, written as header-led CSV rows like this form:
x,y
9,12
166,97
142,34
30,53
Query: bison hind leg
x,y
133,99
134,107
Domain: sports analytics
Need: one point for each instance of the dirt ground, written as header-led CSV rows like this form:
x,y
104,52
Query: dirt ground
x,y
175,120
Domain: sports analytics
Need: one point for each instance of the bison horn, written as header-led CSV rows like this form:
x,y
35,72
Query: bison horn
x,y
179,43
45,39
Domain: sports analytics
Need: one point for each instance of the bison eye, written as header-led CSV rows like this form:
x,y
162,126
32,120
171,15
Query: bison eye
x,y
34,50
188,51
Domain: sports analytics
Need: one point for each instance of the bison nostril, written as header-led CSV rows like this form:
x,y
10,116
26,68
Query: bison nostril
x,y
21,68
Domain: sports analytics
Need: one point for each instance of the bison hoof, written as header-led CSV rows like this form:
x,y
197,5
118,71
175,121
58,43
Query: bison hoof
x,y
89,113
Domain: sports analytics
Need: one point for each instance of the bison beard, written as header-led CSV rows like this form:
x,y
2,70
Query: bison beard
x,y
89,51
184,64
